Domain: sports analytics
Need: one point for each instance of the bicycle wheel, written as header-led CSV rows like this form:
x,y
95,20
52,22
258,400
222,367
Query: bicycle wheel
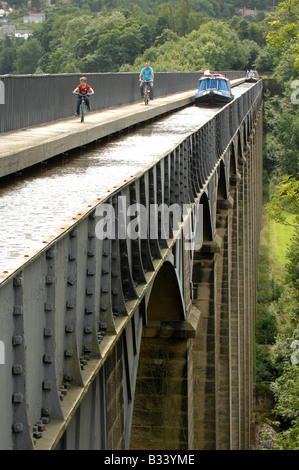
x,y
146,98
82,110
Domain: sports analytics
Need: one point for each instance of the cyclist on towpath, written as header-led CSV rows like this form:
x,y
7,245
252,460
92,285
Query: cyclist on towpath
x,y
147,74
83,89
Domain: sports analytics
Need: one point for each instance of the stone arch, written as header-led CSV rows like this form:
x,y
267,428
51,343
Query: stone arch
x,y
165,303
207,219
246,132
240,142
222,192
159,419
233,160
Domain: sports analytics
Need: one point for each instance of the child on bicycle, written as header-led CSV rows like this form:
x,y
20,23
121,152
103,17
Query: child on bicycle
x,y
83,89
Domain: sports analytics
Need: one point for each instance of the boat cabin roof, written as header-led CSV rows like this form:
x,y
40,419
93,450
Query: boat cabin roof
x,y
208,74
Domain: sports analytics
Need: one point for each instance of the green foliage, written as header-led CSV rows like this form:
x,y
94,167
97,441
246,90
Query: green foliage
x,y
265,371
281,135
284,199
214,45
276,330
103,36
27,56
266,325
286,392
284,33
8,54
287,440
292,266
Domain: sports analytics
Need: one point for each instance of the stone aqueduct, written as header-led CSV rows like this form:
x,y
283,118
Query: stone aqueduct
x,y
145,344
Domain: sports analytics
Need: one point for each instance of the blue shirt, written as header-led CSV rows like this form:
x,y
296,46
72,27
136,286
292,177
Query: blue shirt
x,y
147,73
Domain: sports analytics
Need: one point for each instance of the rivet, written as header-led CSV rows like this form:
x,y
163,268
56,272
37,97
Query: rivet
x,y
16,340
48,358
50,279
50,254
68,376
17,427
47,385
69,328
18,281
18,310
46,411
49,306
69,351
40,425
63,390
35,433
17,397
73,234
48,332
17,369
71,280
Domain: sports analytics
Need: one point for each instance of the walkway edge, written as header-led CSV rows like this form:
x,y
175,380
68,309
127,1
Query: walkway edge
x,y
27,147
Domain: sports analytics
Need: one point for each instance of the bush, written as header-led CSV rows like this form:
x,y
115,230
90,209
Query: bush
x,y
266,325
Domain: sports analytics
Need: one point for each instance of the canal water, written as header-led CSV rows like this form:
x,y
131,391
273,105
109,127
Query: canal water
x,y
35,203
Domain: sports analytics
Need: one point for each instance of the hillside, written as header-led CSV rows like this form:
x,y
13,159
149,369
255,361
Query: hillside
x,y
109,36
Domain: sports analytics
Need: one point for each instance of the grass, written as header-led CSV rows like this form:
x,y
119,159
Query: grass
x,y
279,238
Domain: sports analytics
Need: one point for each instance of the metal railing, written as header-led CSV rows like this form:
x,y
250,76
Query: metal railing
x,y
30,100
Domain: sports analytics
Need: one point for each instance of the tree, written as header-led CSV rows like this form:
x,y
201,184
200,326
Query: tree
x,y
284,34
27,56
7,54
286,392
285,199
182,17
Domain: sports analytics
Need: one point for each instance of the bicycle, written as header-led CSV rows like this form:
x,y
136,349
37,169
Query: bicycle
x,y
82,108
146,91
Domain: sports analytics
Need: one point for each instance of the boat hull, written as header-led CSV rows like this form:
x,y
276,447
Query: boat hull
x,y
212,98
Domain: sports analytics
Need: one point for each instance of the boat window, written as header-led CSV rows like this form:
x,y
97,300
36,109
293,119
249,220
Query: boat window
x,y
202,85
215,83
223,84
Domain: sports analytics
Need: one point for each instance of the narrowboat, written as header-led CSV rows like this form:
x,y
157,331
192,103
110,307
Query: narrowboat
x,y
214,88
251,76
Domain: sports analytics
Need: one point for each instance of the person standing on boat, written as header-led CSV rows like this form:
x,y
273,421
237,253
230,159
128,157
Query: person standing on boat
x,y
147,74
